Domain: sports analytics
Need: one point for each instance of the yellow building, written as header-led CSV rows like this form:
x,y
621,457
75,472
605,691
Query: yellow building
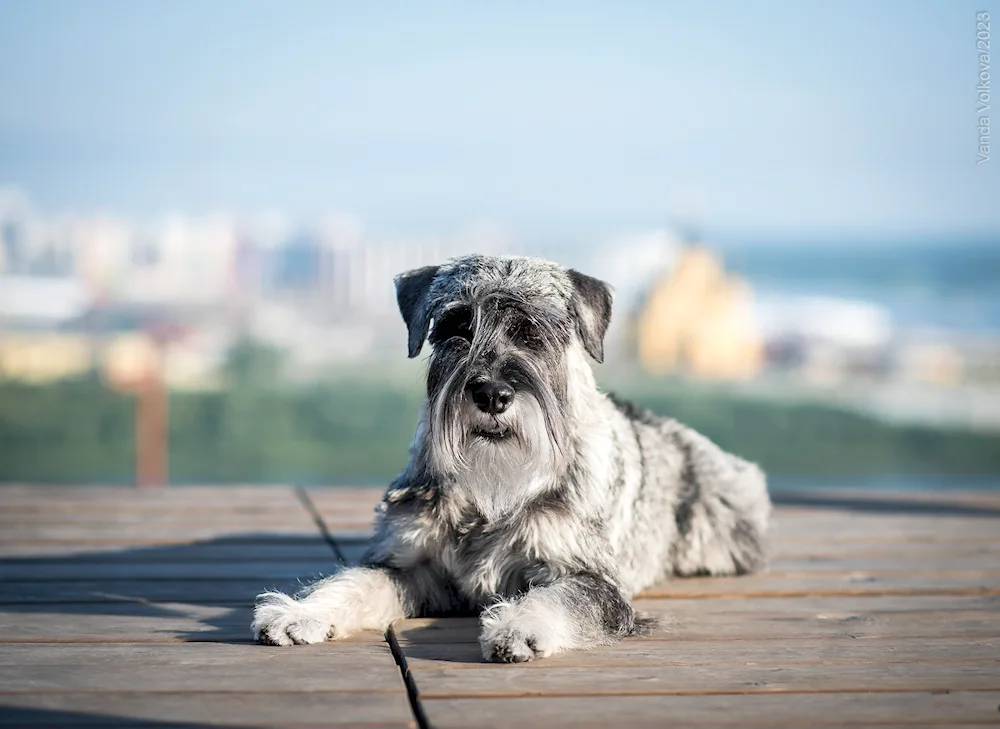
x,y
43,356
698,320
122,359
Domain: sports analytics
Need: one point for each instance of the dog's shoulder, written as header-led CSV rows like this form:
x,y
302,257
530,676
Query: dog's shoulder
x,y
633,412
646,422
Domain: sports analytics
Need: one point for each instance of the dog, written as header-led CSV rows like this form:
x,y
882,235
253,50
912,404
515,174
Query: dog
x,y
530,497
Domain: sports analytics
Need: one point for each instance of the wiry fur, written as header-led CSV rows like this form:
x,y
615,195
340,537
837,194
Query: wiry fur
x,y
547,517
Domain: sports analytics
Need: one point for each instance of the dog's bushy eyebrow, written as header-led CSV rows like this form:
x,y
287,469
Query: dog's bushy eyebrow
x,y
499,300
507,309
451,320
453,313
513,304
537,327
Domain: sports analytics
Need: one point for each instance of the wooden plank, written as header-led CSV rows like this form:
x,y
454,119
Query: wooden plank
x,y
792,651
133,622
304,548
139,531
69,570
853,499
234,522
116,591
809,709
98,522
144,507
864,610
873,542
960,561
335,509
876,507
324,496
820,526
346,532
960,624
87,512
229,494
495,681
834,548
340,504
123,621
343,666
177,536
259,709
860,582
774,618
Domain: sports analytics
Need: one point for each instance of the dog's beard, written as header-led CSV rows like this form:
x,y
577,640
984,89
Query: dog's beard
x,y
497,463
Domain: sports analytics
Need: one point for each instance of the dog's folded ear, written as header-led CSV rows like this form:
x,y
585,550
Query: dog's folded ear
x,y
412,288
591,309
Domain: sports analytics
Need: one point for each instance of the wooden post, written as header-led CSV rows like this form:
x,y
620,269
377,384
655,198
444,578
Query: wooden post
x,y
151,428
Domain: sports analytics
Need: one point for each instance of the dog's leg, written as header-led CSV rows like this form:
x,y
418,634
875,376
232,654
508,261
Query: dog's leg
x,y
358,598
576,611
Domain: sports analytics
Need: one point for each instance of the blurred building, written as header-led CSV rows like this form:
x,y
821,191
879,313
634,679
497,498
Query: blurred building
x,y
321,292
38,357
32,245
698,320
39,303
826,339
98,291
326,293
931,363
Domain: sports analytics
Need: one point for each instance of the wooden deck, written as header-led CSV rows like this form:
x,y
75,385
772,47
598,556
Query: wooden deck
x,y
131,608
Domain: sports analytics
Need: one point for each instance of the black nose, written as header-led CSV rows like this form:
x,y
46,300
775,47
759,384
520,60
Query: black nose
x,y
491,396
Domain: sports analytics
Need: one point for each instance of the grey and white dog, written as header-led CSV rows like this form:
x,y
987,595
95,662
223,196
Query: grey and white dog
x,y
530,497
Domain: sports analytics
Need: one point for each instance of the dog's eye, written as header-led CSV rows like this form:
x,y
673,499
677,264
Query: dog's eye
x,y
527,334
456,323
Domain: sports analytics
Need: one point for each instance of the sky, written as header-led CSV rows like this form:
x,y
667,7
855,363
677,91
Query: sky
x,y
750,118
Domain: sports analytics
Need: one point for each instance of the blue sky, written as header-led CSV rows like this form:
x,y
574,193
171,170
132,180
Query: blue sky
x,y
785,118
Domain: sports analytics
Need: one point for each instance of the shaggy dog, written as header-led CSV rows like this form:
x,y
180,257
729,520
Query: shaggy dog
x,y
530,497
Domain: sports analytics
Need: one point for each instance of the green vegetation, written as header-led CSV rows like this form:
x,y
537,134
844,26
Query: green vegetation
x,y
819,439
356,430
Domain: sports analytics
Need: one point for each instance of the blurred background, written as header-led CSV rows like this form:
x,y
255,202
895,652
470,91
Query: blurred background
x,y
202,206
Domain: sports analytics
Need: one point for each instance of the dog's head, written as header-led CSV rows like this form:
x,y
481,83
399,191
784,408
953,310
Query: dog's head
x,y
509,337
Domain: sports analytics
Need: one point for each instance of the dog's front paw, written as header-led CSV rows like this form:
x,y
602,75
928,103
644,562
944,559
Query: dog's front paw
x,y
510,635
281,620
512,646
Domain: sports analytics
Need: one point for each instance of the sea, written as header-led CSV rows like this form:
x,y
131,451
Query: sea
x,y
947,286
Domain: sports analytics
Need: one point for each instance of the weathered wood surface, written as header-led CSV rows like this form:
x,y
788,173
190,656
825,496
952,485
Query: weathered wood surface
x,y
122,607
810,709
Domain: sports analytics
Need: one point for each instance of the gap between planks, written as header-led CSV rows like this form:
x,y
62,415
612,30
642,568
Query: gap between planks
x,y
412,693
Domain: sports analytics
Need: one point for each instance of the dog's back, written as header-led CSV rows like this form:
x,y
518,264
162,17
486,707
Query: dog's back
x,y
677,504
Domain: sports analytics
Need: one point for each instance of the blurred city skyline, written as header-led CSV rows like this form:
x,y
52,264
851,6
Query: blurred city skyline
x,y
761,122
